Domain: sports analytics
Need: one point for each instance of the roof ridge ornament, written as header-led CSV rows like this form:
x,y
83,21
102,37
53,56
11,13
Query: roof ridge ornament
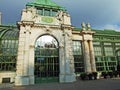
x,y
86,26
83,26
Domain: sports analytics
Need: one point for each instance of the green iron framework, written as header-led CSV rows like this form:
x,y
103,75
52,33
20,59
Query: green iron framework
x,y
46,60
8,48
106,49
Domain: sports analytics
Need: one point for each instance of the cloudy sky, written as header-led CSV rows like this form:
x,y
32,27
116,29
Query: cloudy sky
x,y
102,14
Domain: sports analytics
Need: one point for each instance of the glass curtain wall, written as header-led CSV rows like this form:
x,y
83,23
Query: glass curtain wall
x,y
100,64
105,56
78,57
8,49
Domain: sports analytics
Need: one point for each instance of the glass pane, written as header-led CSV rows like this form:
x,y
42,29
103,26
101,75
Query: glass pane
x,y
54,13
46,41
8,49
78,58
40,12
97,51
77,48
108,51
47,13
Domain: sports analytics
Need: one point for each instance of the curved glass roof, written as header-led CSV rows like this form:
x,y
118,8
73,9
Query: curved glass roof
x,y
9,32
8,47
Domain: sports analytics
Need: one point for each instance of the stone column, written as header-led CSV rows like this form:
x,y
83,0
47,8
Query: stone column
x,y
92,56
87,57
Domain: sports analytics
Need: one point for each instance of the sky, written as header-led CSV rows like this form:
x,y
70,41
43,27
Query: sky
x,y
101,14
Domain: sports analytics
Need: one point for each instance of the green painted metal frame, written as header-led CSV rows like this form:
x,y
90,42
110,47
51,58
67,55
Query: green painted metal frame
x,y
108,61
78,57
46,61
46,65
8,47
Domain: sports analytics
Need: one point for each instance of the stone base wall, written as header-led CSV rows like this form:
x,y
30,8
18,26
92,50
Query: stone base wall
x,y
8,74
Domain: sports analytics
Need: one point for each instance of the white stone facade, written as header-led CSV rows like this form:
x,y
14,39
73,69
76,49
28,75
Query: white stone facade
x,y
32,26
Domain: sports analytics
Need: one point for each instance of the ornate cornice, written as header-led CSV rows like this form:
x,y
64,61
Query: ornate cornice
x,y
24,23
87,32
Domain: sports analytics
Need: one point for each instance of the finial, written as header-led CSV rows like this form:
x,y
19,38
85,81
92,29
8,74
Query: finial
x,y
83,26
88,26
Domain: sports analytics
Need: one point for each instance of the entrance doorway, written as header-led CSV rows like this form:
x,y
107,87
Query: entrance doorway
x,y
46,60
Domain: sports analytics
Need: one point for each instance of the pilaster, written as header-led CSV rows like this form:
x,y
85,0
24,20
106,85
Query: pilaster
x,y
23,62
92,57
67,74
62,62
87,57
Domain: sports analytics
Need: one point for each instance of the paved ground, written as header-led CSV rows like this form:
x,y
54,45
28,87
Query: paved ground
x,y
103,84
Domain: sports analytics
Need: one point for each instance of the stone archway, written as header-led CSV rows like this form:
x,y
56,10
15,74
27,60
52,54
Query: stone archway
x,y
46,66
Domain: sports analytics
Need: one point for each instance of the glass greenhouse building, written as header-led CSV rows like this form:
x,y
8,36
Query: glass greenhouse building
x,y
46,48
8,48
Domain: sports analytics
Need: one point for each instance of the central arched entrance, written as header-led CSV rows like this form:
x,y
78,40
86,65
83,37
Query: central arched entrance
x,y
46,59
